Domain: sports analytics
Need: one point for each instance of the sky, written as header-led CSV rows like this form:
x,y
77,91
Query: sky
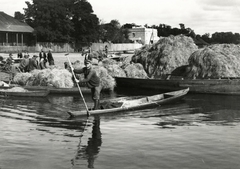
x,y
202,16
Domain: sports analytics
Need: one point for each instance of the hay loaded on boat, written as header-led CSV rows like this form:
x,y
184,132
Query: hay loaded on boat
x,y
128,103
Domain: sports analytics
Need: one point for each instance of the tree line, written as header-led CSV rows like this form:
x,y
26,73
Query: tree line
x,y
74,21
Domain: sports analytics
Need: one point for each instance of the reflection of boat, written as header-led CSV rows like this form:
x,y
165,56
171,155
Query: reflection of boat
x,y
126,104
210,86
10,92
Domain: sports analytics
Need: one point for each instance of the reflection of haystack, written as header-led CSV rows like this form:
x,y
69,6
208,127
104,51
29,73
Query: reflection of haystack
x,y
136,70
164,56
215,61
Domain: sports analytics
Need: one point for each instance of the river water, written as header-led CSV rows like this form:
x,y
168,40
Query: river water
x,y
198,132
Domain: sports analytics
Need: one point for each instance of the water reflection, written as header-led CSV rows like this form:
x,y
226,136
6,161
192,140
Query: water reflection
x,y
90,151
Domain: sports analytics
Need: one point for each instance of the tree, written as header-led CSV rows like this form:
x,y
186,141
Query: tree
x,y
114,32
49,19
62,20
86,24
19,16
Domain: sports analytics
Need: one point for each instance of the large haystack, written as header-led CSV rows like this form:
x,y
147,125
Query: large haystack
x,y
113,68
136,70
215,61
164,56
107,82
59,78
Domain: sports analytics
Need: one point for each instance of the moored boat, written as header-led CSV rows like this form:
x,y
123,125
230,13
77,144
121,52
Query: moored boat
x,y
62,91
126,104
225,86
13,92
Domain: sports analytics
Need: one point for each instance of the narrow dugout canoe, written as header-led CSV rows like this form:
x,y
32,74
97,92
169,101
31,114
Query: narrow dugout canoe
x,y
135,104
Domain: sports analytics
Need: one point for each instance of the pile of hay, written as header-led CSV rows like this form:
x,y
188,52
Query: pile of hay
x,y
107,82
164,56
59,78
215,61
22,78
136,70
113,68
127,61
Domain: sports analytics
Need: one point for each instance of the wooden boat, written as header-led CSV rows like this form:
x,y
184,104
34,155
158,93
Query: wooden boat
x,y
225,86
9,92
139,103
62,91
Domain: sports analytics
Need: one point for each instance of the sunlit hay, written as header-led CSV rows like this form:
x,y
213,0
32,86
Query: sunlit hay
x,y
77,64
34,80
115,71
215,61
107,82
135,70
54,67
108,61
167,54
59,78
22,78
228,49
127,61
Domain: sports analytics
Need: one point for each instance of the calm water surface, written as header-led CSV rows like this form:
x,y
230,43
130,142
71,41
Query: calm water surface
x,y
199,132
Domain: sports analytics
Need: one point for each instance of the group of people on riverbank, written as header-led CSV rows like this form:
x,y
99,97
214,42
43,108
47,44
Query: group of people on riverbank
x,y
28,63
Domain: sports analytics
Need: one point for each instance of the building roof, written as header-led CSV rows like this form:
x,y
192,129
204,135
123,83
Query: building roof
x,y
9,24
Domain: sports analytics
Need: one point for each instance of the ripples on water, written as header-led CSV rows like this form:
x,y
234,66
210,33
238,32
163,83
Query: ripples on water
x,y
199,132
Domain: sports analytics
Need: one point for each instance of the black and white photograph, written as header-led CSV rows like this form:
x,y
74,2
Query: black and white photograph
x,y
119,84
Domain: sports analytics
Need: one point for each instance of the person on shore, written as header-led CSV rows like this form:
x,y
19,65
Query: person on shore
x,y
50,58
42,59
9,62
19,55
23,66
91,79
33,63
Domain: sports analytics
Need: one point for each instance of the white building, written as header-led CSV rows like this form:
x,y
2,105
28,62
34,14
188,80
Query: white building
x,y
143,35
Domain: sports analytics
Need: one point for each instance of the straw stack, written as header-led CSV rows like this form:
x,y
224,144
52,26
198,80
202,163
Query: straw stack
x,y
164,56
215,61
107,82
113,68
136,70
59,78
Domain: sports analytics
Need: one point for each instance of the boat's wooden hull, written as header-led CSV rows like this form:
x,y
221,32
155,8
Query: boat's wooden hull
x,y
62,91
229,86
172,97
39,93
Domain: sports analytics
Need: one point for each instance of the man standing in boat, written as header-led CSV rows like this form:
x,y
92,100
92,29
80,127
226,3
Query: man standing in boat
x,y
91,79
